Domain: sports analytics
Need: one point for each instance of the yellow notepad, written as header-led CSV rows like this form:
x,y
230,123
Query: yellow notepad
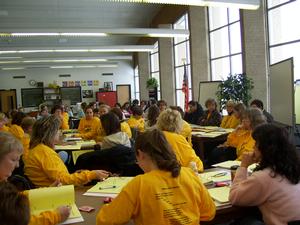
x,y
220,194
110,187
44,199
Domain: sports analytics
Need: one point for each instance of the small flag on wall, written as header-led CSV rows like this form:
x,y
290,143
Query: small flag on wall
x,y
77,83
83,83
90,83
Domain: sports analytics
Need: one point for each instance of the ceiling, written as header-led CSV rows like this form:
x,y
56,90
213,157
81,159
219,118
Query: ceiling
x,y
77,15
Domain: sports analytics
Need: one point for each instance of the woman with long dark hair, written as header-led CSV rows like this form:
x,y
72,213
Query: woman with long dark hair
x,y
166,194
274,186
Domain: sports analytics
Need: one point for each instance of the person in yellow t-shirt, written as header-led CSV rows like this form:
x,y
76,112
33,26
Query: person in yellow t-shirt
x,y
15,128
186,127
124,125
44,166
166,194
10,152
3,122
170,122
240,140
230,120
88,125
136,120
58,111
27,124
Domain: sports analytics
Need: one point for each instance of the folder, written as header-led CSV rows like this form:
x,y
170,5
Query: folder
x,y
220,194
45,199
110,187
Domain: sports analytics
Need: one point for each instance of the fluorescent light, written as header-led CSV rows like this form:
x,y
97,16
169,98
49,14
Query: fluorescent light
x,y
11,57
84,34
242,4
53,61
33,34
84,66
116,48
61,67
155,32
13,68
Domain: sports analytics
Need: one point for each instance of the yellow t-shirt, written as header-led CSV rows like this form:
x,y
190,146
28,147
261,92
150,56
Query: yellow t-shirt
x,y
65,121
137,123
44,166
230,121
4,128
17,131
183,150
156,198
25,143
187,132
88,128
126,128
241,140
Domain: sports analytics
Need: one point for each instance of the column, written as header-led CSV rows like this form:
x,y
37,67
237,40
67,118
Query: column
x,y
144,73
199,48
255,43
166,67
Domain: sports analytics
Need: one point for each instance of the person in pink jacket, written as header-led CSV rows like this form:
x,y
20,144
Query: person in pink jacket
x,y
274,185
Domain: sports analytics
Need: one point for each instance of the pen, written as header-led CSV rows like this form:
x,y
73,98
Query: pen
x,y
219,174
107,187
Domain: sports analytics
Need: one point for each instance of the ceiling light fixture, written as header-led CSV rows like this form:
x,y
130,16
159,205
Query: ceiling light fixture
x,y
146,32
53,61
13,68
116,48
242,4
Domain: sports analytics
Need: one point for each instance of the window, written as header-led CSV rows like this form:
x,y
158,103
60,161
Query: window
x,y
154,61
284,34
225,42
182,58
136,83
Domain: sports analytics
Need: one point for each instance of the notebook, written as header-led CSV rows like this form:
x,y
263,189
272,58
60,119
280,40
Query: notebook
x,y
230,163
110,187
43,199
220,194
216,176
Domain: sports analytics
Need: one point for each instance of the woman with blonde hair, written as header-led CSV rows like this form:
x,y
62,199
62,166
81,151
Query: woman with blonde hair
x,y
10,152
3,122
171,123
44,166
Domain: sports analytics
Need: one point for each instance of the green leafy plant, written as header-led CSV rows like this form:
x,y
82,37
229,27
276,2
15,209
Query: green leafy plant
x,y
152,83
237,87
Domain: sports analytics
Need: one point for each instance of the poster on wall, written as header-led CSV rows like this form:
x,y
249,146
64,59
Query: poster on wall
x,y
87,93
108,86
65,83
77,83
71,83
90,83
83,83
96,82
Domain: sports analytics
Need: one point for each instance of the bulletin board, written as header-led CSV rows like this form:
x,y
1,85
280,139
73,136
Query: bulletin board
x,y
282,92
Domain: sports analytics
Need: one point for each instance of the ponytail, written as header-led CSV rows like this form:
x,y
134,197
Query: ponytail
x,y
154,144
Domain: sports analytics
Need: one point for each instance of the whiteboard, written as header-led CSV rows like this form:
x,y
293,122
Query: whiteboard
x,y
208,89
282,91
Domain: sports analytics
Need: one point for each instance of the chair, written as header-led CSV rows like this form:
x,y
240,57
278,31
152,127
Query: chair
x,y
119,159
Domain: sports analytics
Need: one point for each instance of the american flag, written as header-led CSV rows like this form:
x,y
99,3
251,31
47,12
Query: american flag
x,y
185,88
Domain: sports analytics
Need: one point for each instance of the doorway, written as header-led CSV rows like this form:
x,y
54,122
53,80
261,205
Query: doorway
x,y
8,100
123,93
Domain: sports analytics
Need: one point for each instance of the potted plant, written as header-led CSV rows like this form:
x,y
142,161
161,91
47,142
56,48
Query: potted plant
x,y
152,83
237,87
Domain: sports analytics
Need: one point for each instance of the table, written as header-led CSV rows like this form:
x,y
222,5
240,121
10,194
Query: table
x,y
96,202
223,215
200,141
